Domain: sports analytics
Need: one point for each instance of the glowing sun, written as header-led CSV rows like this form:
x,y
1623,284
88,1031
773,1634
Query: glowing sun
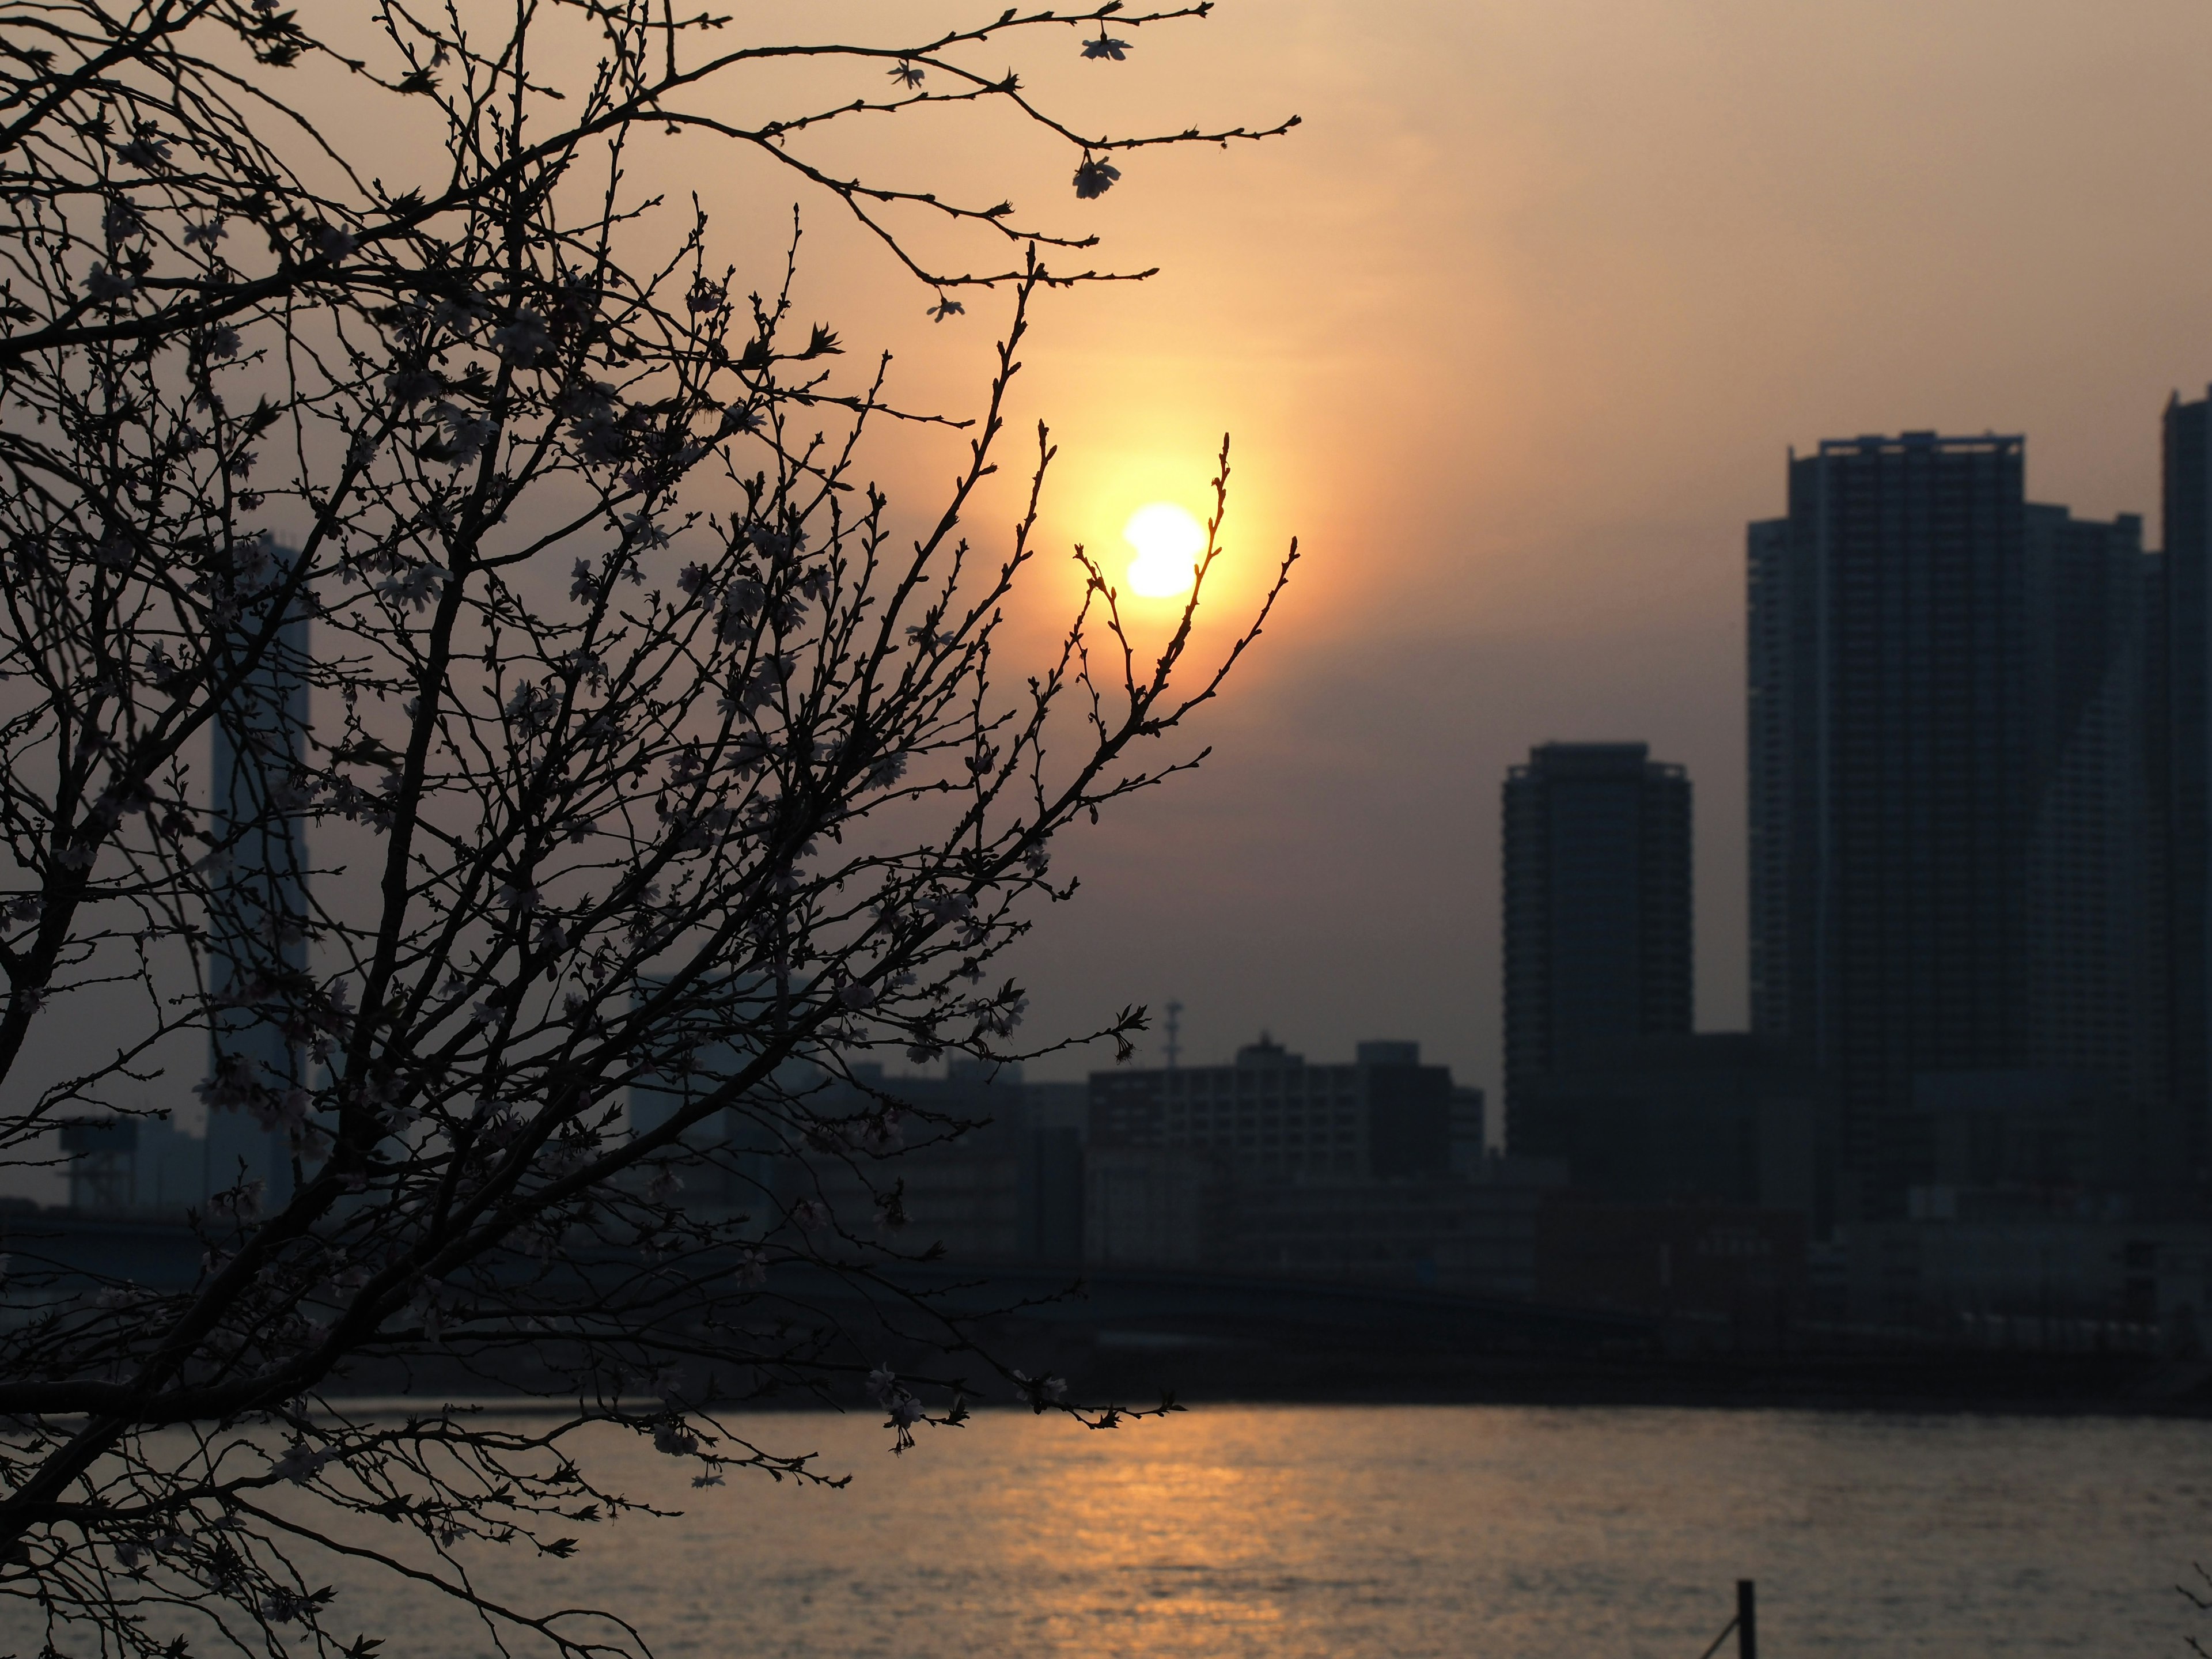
x,y
1168,541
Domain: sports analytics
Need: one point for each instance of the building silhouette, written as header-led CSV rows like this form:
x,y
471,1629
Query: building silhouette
x,y
2179,626
1269,1115
257,912
1712,1117
1949,795
1369,1170
1596,907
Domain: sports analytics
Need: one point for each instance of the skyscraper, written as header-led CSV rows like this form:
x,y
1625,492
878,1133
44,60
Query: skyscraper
x,y
2180,763
257,918
1597,905
2096,987
1946,788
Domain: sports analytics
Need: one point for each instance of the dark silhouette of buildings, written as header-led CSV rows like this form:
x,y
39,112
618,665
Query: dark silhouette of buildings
x,y
991,1169
1980,796
1372,1169
1270,1115
258,909
1949,794
1270,1165
2096,988
1747,1265
1597,907
2180,765
989,1166
142,1166
1714,1117
141,1163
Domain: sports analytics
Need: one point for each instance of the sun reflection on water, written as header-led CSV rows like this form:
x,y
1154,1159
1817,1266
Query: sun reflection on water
x,y
1341,1533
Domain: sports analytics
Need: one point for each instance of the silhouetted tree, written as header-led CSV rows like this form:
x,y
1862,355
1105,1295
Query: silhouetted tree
x,y
635,747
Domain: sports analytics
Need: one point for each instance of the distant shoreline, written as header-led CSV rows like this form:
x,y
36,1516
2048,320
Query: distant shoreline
x,y
2005,1385
1991,1385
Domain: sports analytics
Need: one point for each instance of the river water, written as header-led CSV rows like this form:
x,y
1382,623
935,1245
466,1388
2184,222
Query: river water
x,y
1470,1532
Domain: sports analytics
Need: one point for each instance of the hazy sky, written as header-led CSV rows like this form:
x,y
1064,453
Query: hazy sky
x,y
1515,331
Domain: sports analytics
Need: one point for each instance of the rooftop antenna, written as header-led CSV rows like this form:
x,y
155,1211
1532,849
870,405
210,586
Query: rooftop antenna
x,y
1175,1032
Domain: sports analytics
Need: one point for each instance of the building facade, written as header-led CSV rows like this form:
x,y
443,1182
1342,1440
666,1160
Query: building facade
x,y
1270,1115
1597,905
988,1167
1374,1171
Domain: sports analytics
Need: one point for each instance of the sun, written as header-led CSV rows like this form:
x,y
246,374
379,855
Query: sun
x,y
1168,541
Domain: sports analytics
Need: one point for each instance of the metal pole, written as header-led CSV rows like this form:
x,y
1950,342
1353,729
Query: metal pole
x,y
1747,1621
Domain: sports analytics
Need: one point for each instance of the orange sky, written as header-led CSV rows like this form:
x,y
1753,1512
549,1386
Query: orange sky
x,y
1514,331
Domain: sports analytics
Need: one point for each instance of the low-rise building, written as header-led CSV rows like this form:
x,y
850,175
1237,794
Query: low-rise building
x,y
1374,1171
1269,1114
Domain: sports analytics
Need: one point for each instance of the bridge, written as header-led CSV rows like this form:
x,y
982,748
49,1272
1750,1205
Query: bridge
x,y
1155,1324
1128,1334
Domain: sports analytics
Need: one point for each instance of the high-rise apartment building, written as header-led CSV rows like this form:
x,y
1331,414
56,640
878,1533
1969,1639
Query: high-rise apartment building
x,y
1947,790
2096,989
2180,765
1597,903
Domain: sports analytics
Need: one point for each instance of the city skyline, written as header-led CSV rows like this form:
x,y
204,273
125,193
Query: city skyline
x,y
1518,352
1725,993
643,695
